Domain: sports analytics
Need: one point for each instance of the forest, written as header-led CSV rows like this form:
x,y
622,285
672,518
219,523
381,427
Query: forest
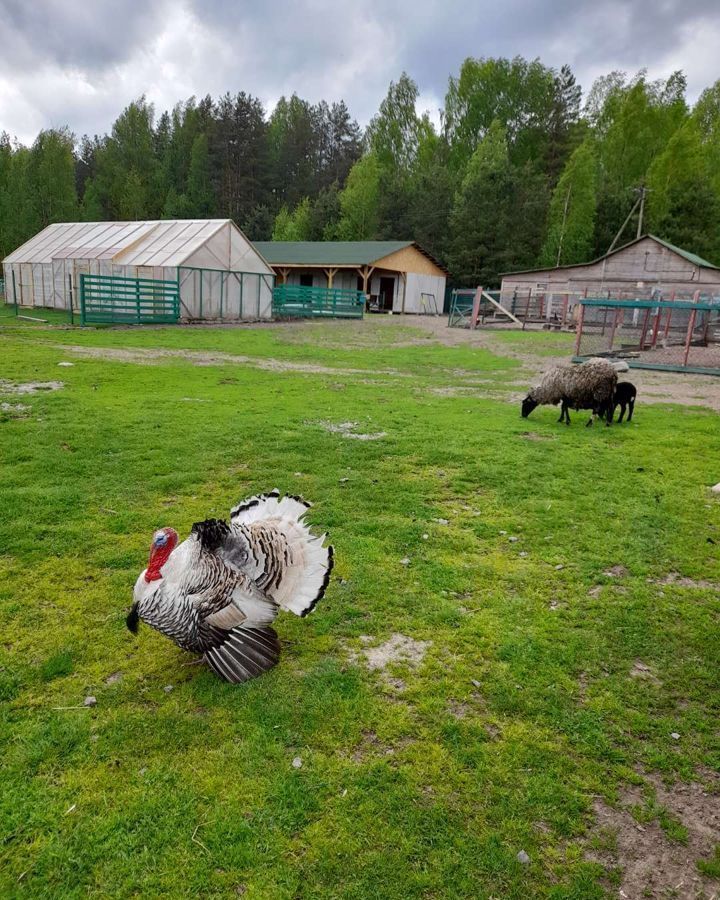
x,y
523,170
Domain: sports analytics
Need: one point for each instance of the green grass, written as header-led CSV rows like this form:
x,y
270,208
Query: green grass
x,y
191,792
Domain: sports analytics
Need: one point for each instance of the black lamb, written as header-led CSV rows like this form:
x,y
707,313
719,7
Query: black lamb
x,y
624,397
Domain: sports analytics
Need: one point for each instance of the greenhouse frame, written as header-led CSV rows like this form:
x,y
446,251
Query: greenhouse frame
x,y
220,274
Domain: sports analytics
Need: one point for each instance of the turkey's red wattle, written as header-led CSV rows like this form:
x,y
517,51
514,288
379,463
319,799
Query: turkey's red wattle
x,y
160,555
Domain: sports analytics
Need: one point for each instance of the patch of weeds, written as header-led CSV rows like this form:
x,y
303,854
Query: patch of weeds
x,y
57,665
710,867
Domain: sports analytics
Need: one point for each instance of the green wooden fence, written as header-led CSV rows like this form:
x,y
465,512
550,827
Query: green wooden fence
x,y
130,301
292,300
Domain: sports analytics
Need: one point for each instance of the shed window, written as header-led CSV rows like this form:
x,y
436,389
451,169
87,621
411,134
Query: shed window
x,y
306,280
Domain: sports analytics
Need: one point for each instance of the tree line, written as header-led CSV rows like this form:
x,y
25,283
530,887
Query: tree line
x,y
522,171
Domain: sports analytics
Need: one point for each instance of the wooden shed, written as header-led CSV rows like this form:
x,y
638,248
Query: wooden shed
x,y
641,267
397,276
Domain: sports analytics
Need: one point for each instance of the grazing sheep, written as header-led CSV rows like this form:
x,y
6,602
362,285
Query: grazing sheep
x,y
591,385
625,394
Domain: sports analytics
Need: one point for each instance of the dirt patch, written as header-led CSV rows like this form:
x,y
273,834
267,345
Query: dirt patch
x,y
15,410
650,863
643,672
451,391
370,745
677,580
616,572
153,355
399,648
348,430
458,709
534,436
29,387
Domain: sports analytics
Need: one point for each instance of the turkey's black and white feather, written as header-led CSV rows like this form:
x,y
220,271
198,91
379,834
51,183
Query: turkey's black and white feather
x,y
221,589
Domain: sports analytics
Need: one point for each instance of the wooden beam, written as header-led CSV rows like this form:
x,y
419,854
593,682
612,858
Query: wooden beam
x,y
330,274
365,272
499,307
284,274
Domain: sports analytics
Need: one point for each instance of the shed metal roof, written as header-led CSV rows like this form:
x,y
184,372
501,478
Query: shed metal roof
x,y
164,242
690,257
333,253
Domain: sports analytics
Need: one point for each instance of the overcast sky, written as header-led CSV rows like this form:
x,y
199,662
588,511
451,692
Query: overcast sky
x,y
79,62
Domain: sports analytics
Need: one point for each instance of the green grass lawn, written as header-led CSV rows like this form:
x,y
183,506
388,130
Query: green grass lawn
x,y
421,780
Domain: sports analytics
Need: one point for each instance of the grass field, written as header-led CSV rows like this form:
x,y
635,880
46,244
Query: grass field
x,y
556,590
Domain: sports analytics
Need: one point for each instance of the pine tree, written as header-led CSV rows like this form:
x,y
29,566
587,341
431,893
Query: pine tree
x,y
324,214
132,202
258,225
127,168
51,178
481,216
239,157
201,199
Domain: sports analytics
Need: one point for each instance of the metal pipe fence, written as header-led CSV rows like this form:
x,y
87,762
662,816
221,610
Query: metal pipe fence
x,y
671,335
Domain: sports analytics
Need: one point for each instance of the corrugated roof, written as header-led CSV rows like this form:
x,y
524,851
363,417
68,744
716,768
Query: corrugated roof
x,y
333,253
163,242
690,257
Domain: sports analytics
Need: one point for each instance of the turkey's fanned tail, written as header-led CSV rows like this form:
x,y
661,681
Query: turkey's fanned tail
x,y
286,560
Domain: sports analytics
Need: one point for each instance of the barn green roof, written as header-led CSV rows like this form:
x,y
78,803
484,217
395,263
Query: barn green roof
x,y
690,257
333,253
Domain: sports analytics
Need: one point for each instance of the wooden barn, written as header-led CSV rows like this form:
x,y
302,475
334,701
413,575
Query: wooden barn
x,y
645,265
396,276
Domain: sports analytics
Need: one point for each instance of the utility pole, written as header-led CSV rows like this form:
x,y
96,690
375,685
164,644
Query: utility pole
x,y
642,210
562,228
624,225
641,191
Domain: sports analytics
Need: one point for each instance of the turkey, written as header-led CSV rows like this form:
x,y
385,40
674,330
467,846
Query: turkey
x,y
218,592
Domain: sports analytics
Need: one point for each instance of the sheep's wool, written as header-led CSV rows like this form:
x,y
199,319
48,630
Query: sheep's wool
x,y
592,382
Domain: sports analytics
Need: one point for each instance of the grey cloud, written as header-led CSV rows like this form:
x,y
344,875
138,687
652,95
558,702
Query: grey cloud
x,y
89,35
319,48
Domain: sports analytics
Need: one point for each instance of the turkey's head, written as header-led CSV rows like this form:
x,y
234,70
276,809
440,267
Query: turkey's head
x,y
163,543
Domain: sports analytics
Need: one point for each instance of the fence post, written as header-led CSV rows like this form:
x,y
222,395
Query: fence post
x,y
578,336
656,327
137,300
688,338
476,308
616,316
70,295
82,298
14,291
644,328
